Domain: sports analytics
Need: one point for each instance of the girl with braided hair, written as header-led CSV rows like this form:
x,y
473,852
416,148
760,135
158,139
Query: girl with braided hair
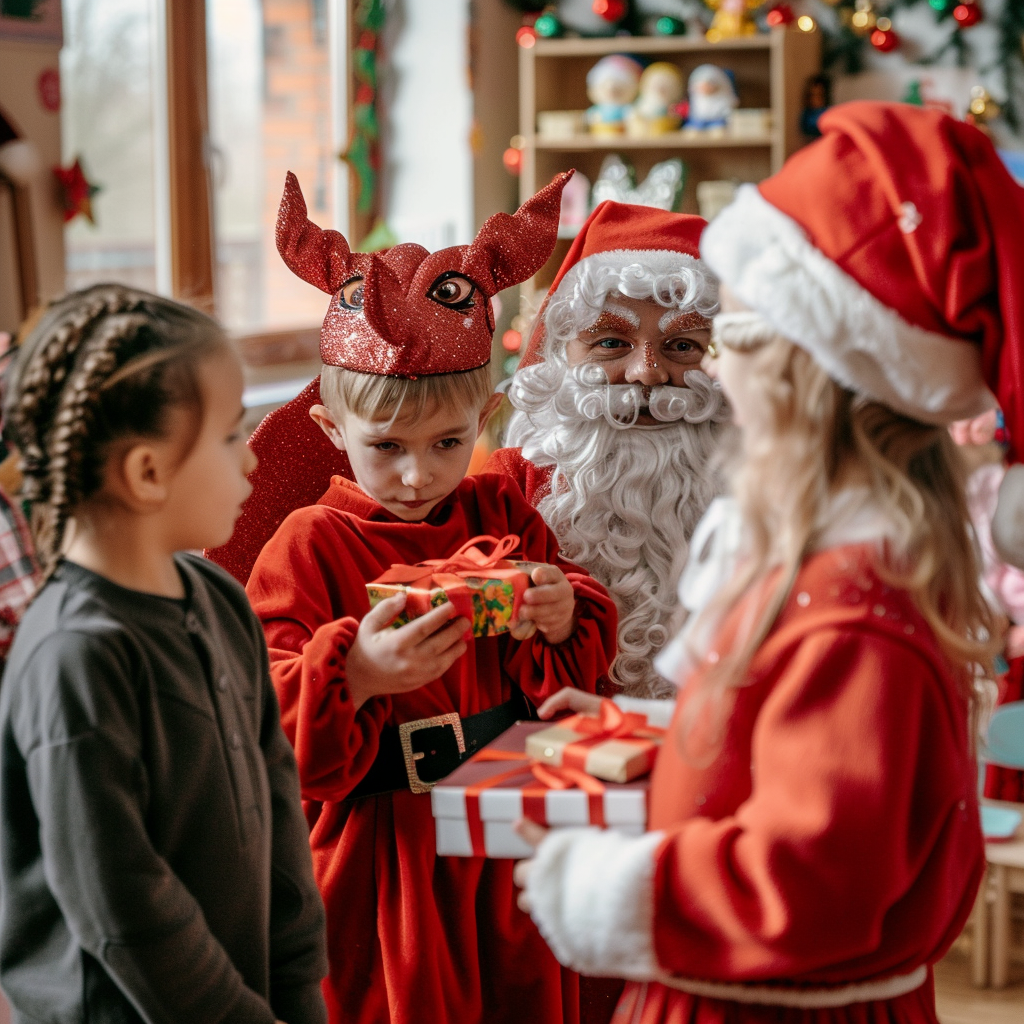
x,y
154,864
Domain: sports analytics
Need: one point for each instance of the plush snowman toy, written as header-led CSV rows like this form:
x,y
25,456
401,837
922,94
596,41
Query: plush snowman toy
x,y
712,97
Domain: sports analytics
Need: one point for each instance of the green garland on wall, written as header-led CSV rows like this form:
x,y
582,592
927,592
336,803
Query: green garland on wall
x,y
363,152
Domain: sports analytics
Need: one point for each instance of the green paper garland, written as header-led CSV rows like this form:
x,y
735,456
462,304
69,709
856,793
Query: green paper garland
x,y
362,154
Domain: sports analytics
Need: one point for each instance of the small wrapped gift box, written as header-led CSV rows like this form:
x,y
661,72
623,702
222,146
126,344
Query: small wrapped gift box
x,y
476,806
615,746
486,589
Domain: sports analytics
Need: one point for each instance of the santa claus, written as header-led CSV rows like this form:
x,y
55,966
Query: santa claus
x,y
616,424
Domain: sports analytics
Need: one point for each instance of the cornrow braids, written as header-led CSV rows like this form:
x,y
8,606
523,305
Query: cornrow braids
x,y
101,364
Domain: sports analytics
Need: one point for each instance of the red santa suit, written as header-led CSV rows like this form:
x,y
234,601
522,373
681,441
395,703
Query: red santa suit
x,y
832,841
812,860
412,936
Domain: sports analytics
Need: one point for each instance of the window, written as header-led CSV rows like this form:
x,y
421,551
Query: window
x,y
107,122
270,112
269,95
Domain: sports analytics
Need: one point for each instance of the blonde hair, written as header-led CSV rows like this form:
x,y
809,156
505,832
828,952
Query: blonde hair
x,y
826,438
376,397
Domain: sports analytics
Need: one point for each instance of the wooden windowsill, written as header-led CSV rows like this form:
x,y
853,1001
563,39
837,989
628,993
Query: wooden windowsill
x,y
273,348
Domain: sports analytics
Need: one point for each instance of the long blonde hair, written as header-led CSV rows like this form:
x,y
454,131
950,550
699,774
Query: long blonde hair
x,y
813,439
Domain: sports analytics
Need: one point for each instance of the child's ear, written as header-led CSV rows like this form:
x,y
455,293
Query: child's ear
x,y
139,475
323,418
489,409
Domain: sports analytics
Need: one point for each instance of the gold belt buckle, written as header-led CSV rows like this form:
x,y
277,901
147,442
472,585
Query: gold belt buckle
x,y
405,731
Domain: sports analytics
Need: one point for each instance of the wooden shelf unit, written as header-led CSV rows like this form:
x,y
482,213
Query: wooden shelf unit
x,y
671,140
771,72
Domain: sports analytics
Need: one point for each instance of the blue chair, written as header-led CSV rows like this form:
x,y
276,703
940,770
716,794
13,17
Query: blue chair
x,y
1003,746
1004,874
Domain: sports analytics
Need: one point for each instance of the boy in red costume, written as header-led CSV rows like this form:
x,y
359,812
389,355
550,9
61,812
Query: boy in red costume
x,y
815,843
406,390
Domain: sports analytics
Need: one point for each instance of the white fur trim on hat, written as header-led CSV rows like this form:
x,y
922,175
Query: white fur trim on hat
x,y
766,260
591,893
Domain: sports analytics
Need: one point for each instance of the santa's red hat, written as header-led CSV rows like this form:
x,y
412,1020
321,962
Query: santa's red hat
x,y
892,250
644,233
408,312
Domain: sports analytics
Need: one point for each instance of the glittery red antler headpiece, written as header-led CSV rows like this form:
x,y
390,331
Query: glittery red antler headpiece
x,y
407,312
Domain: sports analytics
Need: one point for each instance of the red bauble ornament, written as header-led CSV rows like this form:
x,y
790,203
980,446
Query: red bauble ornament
x,y
511,341
526,37
884,40
610,10
512,158
780,15
48,87
968,14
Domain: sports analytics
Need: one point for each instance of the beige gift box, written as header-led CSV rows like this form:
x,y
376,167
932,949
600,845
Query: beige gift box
x,y
613,760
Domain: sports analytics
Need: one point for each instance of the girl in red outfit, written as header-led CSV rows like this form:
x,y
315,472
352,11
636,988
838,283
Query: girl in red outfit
x,y
377,714
815,844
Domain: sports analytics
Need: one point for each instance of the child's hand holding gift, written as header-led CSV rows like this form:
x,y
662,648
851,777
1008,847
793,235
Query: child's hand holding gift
x,y
383,660
550,604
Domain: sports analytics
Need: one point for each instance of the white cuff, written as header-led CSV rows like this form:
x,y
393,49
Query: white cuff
x,y
659,712
591,895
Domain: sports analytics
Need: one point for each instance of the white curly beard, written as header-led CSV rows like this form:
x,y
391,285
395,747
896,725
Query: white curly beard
x,y
624,499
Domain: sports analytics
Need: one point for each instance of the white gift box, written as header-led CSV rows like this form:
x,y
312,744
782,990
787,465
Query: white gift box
x,y
624,805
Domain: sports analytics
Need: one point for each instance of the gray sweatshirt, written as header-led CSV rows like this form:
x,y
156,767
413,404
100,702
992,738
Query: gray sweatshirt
x,y
154,857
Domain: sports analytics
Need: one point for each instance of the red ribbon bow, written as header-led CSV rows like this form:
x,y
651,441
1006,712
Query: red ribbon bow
x,y
450,573
611,723
469,557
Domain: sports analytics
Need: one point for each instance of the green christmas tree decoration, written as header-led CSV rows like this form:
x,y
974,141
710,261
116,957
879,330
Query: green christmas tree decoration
x,y
913,94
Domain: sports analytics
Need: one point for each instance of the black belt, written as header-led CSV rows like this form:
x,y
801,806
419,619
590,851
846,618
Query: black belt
x,y
416,755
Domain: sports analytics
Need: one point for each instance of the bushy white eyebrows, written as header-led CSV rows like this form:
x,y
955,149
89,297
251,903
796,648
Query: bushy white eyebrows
x,y
683,320
630,316
668,318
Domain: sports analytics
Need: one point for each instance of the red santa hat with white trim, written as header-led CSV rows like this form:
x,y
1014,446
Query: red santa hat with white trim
x,y
643,235
892,250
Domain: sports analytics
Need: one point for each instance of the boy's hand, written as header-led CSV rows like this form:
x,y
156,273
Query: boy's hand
x,y
385,660
550,604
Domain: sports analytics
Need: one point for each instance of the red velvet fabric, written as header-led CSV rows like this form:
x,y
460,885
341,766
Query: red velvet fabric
x,y
834,837
296,463
412,937
534,481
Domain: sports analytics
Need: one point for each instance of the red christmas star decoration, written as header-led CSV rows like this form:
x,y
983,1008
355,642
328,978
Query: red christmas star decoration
x,y
76,191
